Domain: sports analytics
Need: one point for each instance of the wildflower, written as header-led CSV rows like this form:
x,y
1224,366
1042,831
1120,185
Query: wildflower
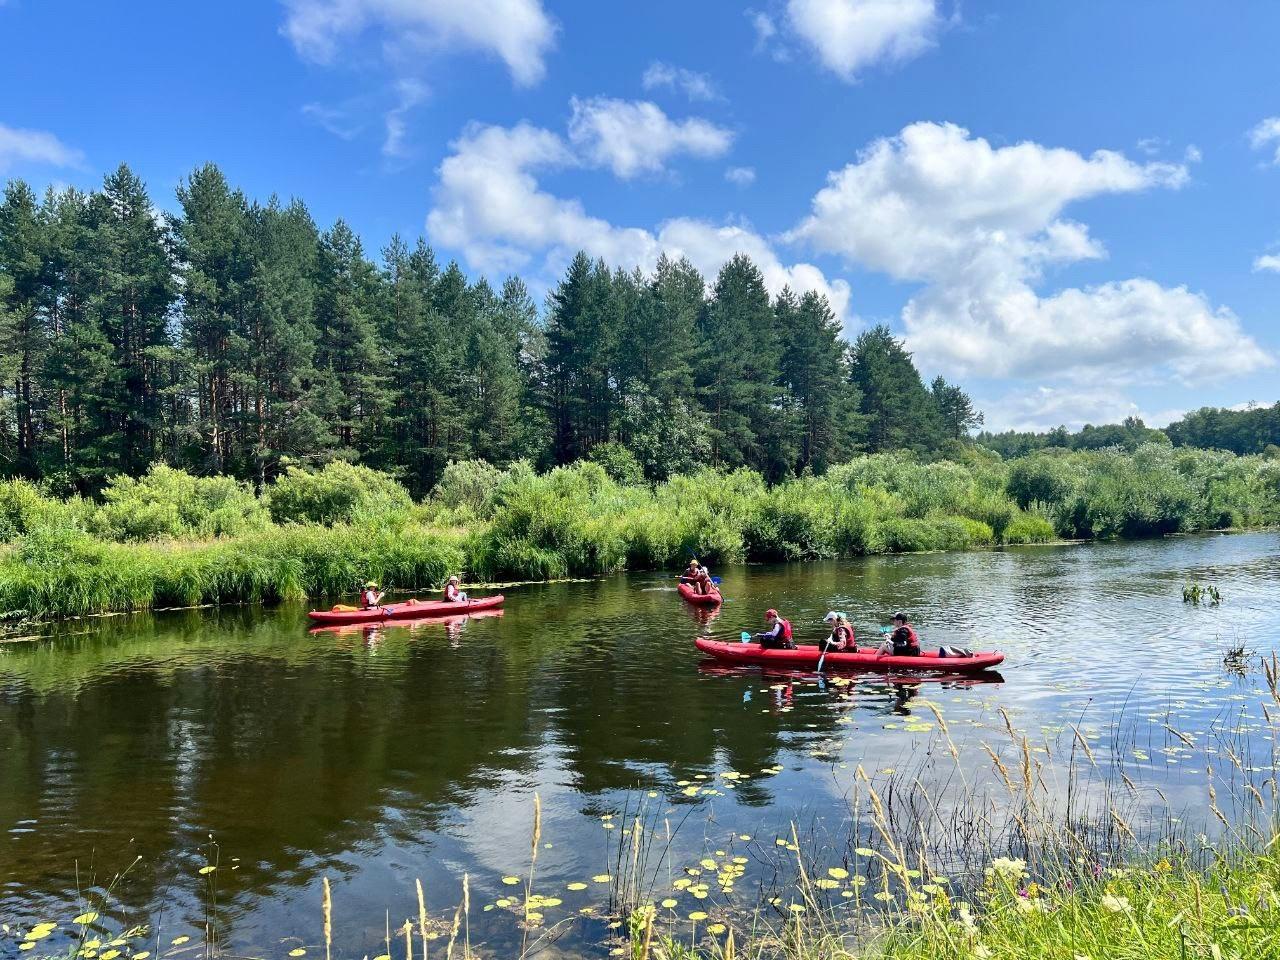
x,y
1007,868
1030,906
967,923
1114,904
1163,865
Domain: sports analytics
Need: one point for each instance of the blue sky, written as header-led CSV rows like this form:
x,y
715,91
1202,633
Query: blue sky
x,y
1073,209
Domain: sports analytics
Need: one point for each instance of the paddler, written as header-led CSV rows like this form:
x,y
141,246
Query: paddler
x,y
842,638
453,591
370,598
777,634
903,640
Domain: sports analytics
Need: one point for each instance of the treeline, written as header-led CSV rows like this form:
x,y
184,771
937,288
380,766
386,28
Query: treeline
x,y
1243,432
236,337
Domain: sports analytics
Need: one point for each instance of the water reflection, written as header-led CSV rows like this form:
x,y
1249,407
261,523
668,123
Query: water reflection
x,y
380,753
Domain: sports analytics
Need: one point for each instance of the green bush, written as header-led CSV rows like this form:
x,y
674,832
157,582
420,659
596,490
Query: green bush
x,y
1029,528
618,462
165,502
469,485
24,507
340,493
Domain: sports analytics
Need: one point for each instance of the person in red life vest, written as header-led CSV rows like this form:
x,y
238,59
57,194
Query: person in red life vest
x,y
453,592
842,639
903,641
777,635
698,576
370,597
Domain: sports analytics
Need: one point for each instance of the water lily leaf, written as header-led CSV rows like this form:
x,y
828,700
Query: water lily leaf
x,y
179,941
716,928
85,918
576,885
839,873
297,952
669,903
697,915
601,878
205,871
510,881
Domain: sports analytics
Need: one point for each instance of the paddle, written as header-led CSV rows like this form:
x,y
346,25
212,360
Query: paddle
x,y
716,580
744,637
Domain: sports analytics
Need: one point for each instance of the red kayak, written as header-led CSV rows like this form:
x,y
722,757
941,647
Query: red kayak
x,y
807,657
690,593
409,610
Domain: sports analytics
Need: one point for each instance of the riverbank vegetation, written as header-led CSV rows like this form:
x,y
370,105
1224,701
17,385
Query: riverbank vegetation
x,y
172,539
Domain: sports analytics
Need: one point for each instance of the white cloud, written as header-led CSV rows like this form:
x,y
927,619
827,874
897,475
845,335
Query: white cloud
x,y
411,93
1192,154
634,136
490,206
764,27
694,85
334,120
978,225
1044,408
1268,261
741,176
848,35
518,31
34,146
1265,134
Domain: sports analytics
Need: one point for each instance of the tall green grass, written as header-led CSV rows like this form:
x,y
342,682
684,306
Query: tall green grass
x,y
170,538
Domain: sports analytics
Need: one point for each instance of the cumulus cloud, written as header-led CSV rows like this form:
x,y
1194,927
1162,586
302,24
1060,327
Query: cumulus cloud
x,y
1044,408
849,35
694,85
519,32
632,137
978,226
741,176
34,146
490,206
1268,261
1266,135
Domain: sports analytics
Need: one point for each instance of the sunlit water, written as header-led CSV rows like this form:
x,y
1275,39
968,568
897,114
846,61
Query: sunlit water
x,y
378,756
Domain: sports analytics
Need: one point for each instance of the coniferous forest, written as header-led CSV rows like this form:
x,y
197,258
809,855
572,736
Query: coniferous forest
x,y
238,337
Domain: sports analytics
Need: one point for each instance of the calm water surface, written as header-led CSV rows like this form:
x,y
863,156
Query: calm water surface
x,y
379,755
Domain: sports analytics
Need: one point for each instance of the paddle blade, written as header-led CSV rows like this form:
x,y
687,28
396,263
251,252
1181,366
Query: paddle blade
x,y
716,580
744,637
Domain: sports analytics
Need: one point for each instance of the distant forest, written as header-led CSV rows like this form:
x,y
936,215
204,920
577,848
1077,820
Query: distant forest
x,y
237,337
1250,431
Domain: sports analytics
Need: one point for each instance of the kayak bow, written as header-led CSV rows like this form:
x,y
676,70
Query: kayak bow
x,y
712,599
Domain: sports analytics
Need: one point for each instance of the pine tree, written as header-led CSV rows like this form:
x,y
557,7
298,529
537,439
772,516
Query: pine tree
x,y
955,409
353,392
900,413
133,291
738,367
815,374
216,264
23,340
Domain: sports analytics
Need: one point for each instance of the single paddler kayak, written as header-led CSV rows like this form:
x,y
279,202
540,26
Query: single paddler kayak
x,y
690,593
806,657
407,610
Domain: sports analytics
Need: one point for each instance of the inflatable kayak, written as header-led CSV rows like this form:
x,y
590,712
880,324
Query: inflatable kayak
x,y
408,610
690,593
807,658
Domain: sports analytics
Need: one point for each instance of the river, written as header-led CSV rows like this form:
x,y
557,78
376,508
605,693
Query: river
x,y
238,739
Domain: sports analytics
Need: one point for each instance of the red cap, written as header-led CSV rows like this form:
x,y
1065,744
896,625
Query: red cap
x,y
771,614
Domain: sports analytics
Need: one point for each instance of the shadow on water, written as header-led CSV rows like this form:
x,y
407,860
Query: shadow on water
x,y
376,755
